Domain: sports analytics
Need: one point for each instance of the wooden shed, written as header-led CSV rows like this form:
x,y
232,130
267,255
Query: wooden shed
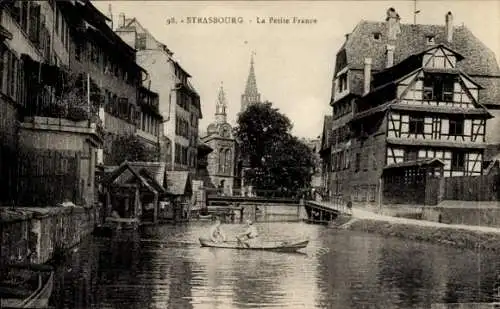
x,y
133,191
413,182
179,192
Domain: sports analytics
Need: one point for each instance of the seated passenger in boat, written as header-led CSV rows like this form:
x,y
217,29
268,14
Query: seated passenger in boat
x,y
250,235
216,233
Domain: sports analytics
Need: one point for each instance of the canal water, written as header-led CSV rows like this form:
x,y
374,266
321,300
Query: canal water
x,y
339,269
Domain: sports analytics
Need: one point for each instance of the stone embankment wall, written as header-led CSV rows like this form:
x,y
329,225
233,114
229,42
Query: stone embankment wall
x,y
439,233
35,235
482,216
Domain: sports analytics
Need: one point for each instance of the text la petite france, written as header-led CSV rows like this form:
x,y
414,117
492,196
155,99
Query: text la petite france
x,y
286,20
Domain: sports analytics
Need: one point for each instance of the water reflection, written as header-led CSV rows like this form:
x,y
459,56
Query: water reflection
x,y
339,270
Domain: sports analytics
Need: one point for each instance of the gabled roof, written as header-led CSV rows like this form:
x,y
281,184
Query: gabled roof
x,y
150,174
154,169
478,58
178,182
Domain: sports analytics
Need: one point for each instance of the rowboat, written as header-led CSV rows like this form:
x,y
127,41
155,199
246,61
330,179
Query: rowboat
x,y
18,297
278,246
205,217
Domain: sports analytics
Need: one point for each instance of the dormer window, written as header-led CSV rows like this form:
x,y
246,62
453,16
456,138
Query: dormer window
x,y
376,36
342,83
431,40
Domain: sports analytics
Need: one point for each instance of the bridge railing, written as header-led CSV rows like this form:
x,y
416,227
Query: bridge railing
x,y
337,201
275,194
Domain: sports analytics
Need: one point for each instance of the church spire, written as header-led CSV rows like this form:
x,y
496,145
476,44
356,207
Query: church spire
x,y
251,95
221,106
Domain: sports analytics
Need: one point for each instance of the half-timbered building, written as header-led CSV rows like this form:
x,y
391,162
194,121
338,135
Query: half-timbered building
x,y
414,95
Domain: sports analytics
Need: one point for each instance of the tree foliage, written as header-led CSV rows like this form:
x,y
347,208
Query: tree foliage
x,y
130,148
277,159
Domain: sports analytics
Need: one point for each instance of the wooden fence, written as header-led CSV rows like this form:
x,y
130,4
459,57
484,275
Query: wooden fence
x,y
47,177
472,188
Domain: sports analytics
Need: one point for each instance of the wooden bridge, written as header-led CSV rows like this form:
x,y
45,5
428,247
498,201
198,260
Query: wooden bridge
x,y
316,211
327,211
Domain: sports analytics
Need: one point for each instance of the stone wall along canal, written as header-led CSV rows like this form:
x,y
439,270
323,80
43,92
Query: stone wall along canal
x,y
340,269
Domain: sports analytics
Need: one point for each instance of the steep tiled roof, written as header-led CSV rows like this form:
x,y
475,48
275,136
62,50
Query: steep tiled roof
x,y
155,169
178,182
478,58
492,95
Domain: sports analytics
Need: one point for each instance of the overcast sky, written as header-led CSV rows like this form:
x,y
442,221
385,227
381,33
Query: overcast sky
x,y
293,63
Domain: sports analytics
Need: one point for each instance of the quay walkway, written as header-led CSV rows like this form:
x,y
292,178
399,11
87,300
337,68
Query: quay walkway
x,y
360,213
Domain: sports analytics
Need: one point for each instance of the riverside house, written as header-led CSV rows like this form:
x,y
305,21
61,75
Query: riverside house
x,y
179,103
108,64
48,134
410,105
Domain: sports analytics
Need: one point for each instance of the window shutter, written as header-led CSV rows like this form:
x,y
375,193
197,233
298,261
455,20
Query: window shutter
x,y
34,30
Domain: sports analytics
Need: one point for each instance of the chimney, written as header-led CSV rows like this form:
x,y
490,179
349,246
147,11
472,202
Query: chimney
x,y
449,27
110,16
390,55
393,26
367,75
347,36
121,20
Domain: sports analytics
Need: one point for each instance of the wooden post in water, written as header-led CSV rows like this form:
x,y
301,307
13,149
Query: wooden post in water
x,y
301,203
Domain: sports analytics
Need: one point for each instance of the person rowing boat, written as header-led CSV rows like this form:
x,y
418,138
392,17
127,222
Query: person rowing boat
x,y
249,236
216,233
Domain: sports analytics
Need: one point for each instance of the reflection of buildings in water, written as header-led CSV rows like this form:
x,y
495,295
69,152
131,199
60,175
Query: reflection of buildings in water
x,y
258,277
75,280
180,288
347,272
471,277
406,272
120,262
211,280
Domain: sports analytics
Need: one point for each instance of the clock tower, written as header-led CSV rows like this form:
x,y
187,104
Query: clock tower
x,y
221,161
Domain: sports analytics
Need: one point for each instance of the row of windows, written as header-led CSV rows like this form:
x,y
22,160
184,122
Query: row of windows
x,y
184,100
28,15
149,124
341,109
120,107
88,51
181,154
225,161
342,83
364,193
181,127
457,158
194,120
11,75
185,155
438,88
368,158
455,128
340,160
180,75
61,27
341,134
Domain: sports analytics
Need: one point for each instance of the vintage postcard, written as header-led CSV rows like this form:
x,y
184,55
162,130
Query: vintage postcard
x,y
249,154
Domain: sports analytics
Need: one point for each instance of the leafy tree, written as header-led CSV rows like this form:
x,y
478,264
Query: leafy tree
x,y
129,147
277,160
